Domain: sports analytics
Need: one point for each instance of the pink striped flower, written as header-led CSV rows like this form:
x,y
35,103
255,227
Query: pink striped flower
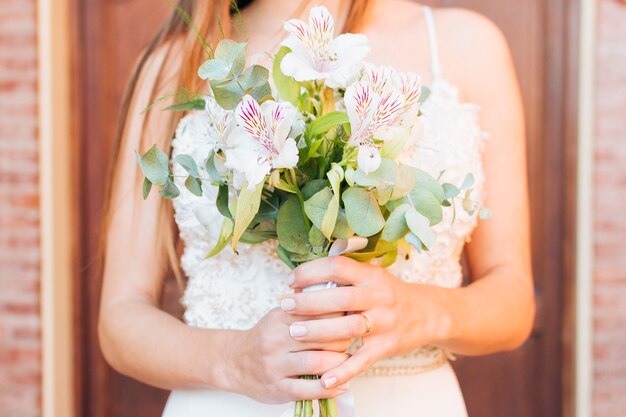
x,y
261,141
317,55
381,106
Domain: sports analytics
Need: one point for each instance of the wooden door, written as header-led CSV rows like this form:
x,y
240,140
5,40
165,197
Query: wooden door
x,y
108,35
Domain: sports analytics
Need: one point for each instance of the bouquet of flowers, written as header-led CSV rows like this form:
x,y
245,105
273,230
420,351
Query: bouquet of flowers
x,y
310,159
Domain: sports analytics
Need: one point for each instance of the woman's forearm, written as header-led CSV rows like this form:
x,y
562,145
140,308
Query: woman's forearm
x,y
147,344
494,313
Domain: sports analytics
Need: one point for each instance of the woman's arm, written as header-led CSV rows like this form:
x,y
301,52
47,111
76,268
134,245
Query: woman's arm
x,y
141,341
496,311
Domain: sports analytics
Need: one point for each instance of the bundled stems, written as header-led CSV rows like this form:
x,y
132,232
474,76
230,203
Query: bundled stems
x,y
304,408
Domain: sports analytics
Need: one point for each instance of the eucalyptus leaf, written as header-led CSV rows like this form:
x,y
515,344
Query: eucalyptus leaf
x,y
189,164
288,88
233,53
318,210
227,94
313,187
248,204
259,233
316,239
426,203
362,211
420,226
450,190
424,180
211,170
214,69
254,76
285,256
221,201
404,182
225,234
468,182
169,190
396,227
194,185
415,242
147,186
342,228
268,209
155,165
484,213
291,228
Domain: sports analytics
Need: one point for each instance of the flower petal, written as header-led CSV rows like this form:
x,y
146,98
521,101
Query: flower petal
x,y
288,157
300,67
321,28
361,103
368,158
351,49
250,118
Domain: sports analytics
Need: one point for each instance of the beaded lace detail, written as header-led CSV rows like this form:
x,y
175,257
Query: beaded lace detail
x,y
232,291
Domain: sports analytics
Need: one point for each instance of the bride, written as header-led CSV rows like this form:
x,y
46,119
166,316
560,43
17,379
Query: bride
x,y
248,329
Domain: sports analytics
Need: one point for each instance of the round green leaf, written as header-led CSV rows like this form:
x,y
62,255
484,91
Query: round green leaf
x,y
363,212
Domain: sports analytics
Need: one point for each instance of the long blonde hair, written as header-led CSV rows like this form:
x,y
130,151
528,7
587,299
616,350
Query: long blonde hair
x,y
211,19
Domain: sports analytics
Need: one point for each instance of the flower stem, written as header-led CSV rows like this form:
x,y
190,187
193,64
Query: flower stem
x,y
298,409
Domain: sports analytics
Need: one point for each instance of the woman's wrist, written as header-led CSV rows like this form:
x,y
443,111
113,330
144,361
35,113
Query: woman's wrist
x,y
224,370
432,308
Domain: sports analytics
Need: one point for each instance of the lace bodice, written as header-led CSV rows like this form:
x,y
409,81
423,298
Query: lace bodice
x,y
235,291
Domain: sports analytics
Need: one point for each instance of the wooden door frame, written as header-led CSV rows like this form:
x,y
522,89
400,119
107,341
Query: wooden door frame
x,y
57,196
60,76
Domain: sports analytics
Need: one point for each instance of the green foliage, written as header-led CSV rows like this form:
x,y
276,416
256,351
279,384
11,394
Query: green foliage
x,y
396,227
322,209
194,185
288,88
225,234
426,203
169,190
147,186
221,201
420,226
326,122
189,164
211,170
291,227
247,207
362,211
155,165
195,104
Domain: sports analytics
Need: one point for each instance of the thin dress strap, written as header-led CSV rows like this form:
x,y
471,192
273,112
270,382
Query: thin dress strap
x,y
435,66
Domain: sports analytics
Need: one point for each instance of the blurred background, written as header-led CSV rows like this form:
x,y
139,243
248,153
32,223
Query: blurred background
x,y
63,67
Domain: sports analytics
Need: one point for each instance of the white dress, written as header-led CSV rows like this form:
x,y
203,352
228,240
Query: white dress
x,y
234,292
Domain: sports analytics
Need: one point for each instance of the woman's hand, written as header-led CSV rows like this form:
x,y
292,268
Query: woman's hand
x,y
270,360
400,316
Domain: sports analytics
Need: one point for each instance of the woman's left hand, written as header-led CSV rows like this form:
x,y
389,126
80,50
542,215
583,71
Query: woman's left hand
x,y
396,317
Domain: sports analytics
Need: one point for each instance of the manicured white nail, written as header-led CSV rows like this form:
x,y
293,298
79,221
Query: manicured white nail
x,y
288,304
330,382
297,330
290,279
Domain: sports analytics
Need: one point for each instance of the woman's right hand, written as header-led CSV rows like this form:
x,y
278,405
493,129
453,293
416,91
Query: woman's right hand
x,y
269,361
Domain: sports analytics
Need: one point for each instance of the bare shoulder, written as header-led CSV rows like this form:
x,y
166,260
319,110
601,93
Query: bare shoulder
x,y
473,49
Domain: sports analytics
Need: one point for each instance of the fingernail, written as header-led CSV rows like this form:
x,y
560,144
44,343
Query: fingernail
x,y
330,382
288,304
297,330
290,279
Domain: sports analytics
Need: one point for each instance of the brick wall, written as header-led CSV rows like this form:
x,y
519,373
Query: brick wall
x,y
20,350
610,213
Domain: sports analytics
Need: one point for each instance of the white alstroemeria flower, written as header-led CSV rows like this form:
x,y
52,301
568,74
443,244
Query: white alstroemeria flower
x,y
221,124
317,55
382,105
261,140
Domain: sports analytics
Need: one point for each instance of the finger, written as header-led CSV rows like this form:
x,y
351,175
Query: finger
x,y
358,363
309,389
332,300
328,330
344,271
312,362
340,345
